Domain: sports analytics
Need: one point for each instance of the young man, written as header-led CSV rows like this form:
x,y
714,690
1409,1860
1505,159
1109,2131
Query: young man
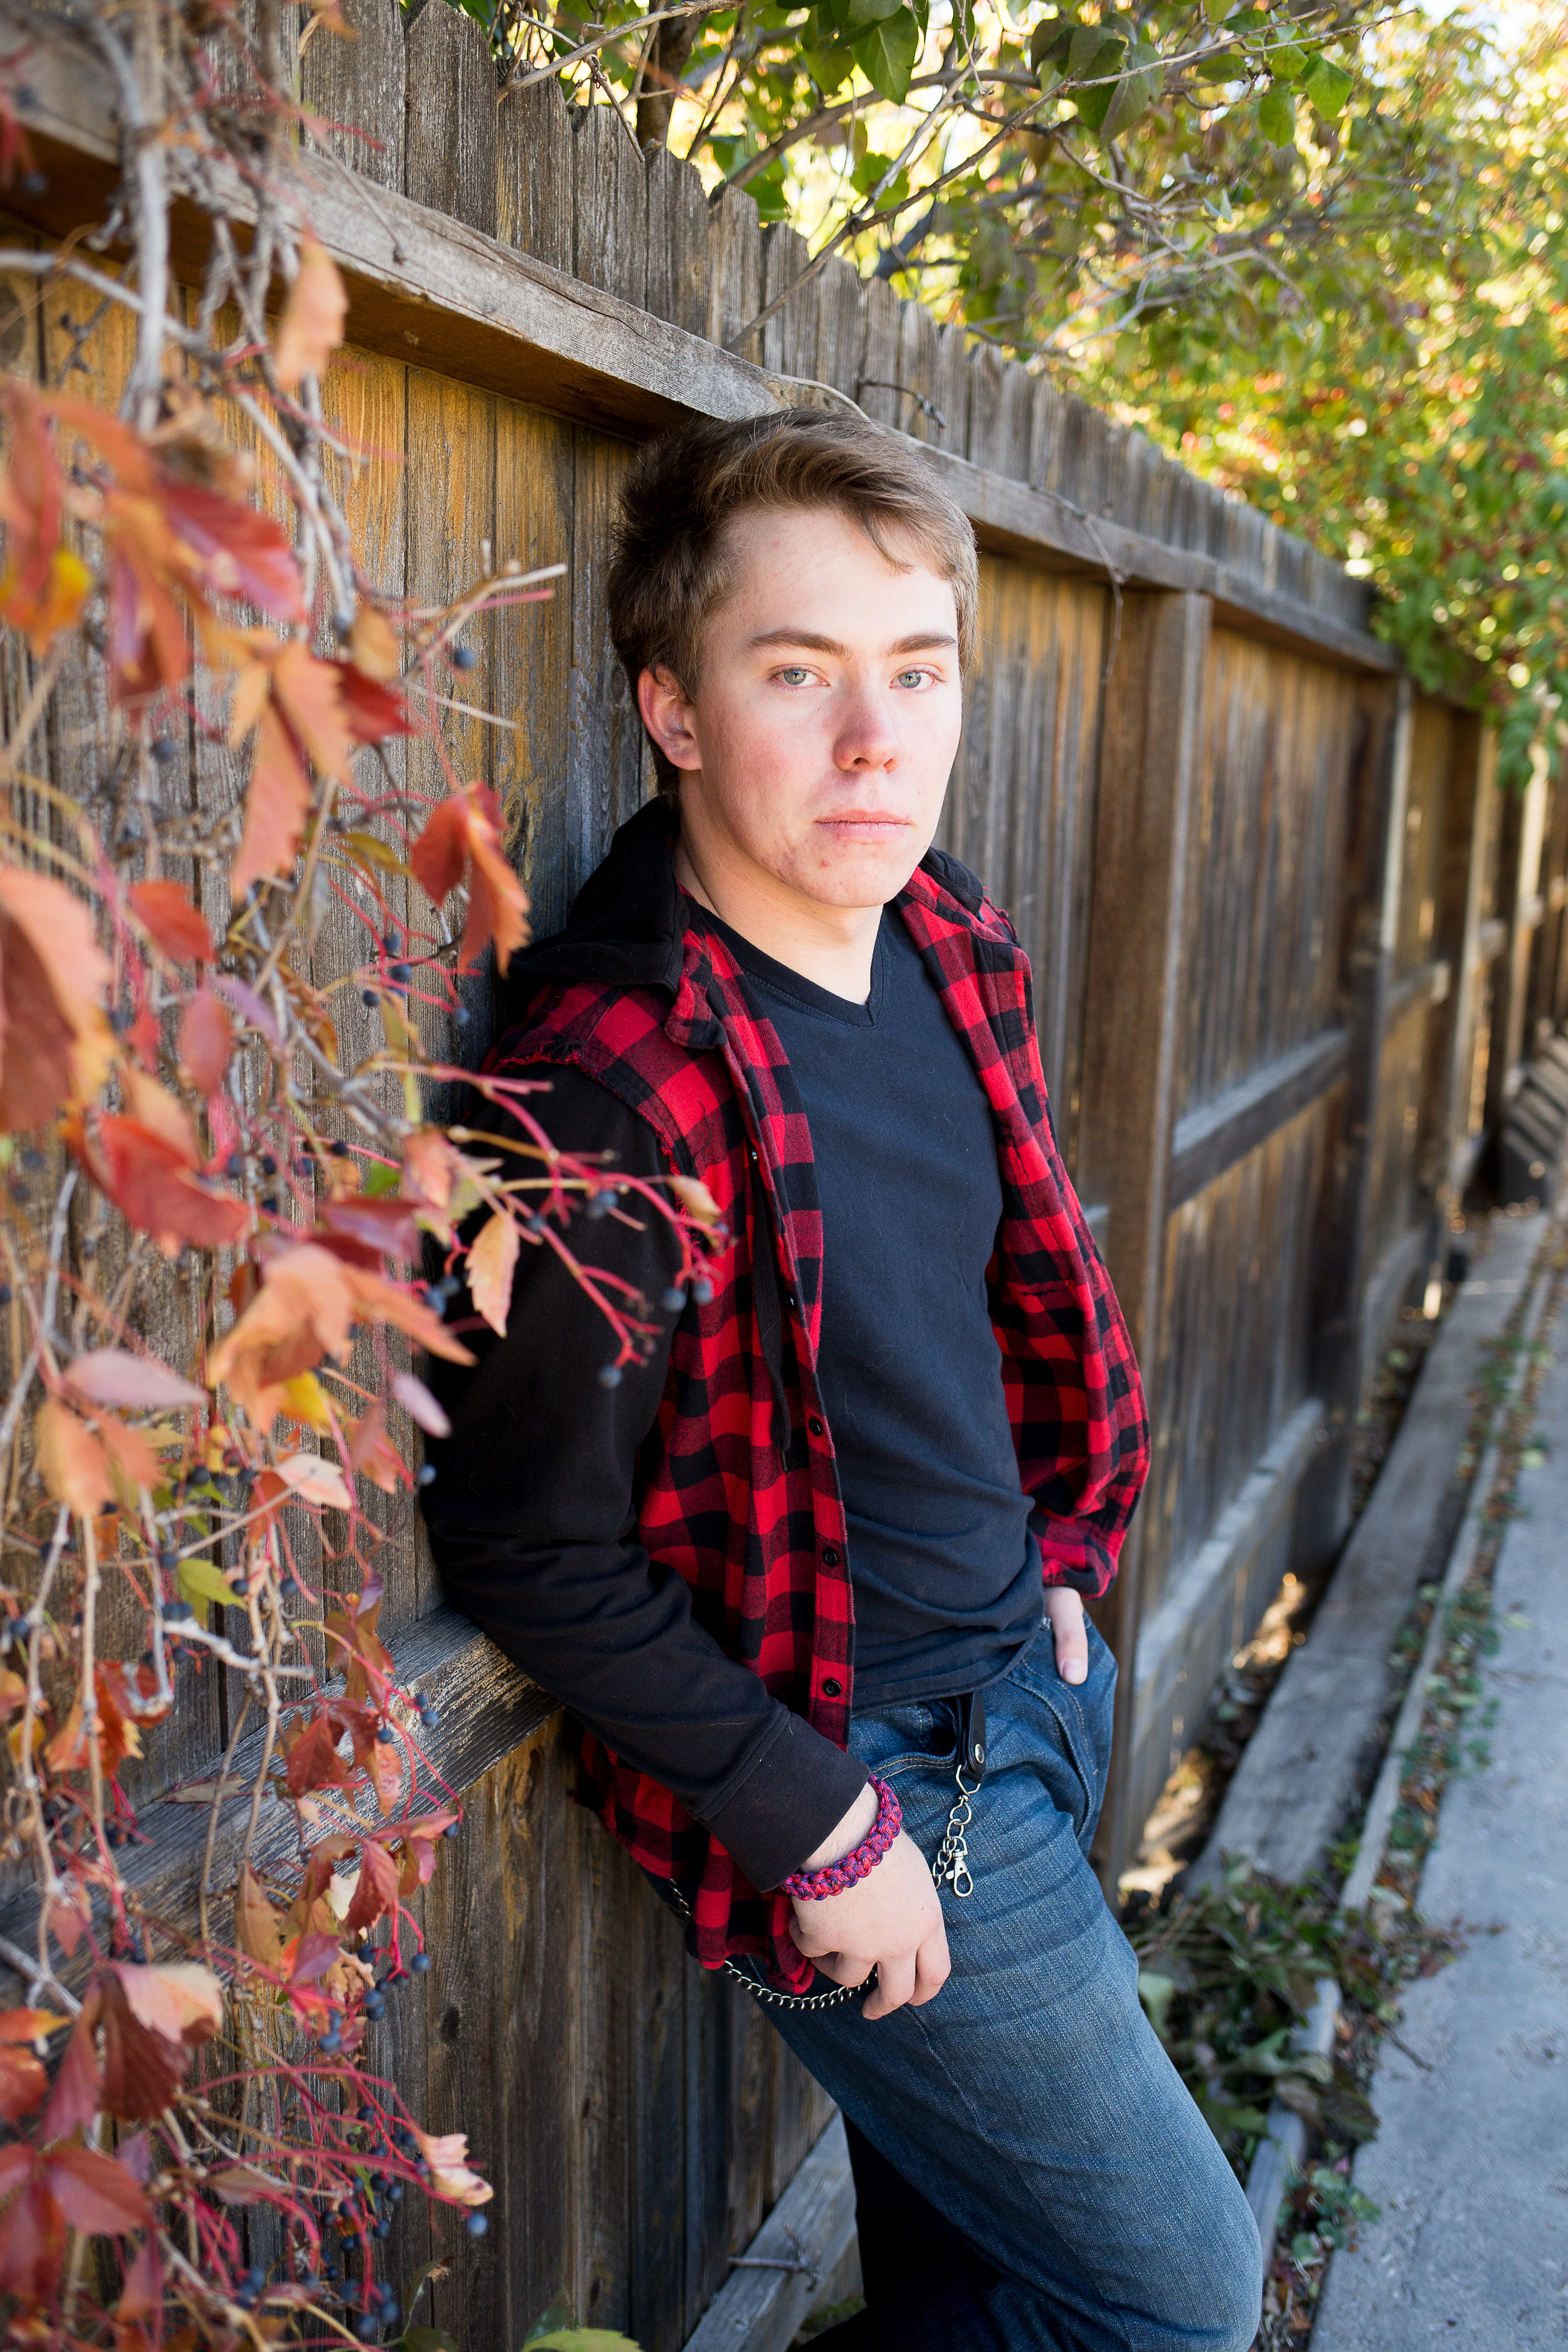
x,y
825,1557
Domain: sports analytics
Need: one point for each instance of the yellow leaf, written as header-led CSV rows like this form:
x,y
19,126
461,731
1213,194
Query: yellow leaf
x,y
492,1261
202,1582
372,641
304,1398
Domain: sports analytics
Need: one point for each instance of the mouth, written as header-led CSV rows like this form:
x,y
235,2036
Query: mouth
x,y
864,825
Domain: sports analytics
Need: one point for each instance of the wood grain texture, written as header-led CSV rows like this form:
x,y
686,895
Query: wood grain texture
x,y
534,199
680,264
609,184
449,159
789,339
357,90
735,263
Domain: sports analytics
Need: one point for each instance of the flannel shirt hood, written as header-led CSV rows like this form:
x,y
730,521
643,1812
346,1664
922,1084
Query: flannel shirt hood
x,y
737,1487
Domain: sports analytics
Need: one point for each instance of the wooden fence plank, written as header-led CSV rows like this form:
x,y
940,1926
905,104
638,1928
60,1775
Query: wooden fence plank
x,y
789,339
1152,733
680,264
534,198
609,184
876,388
356,88
735,289
916,373
450,153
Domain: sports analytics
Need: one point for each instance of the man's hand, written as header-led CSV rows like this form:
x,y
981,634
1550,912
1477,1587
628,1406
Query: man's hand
x,y
1070,1634
890,1921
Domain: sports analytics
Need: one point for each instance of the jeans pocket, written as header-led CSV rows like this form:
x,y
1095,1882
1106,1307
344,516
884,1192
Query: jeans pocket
x,y
1081,1715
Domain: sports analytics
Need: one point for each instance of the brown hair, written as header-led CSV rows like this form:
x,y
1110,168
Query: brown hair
x,y
669,574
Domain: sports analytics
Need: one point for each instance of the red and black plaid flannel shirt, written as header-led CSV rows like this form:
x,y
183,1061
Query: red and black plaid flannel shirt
x,y
742,1498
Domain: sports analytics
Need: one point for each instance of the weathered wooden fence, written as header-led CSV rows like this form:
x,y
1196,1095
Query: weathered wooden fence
x,y
1290,947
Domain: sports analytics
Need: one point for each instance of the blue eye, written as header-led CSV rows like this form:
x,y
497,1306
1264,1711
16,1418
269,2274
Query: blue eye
x,y
912,678
795,675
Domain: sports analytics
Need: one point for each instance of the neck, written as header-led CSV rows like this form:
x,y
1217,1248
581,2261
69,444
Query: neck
x,y
832,946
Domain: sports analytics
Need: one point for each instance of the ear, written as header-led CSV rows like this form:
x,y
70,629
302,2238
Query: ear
x,y
667,714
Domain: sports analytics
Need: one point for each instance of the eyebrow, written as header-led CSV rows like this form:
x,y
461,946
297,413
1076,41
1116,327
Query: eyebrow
x,y
811,640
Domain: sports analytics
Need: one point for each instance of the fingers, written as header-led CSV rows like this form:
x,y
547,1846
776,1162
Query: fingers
x,y
895,1986
1070,1634
933,1966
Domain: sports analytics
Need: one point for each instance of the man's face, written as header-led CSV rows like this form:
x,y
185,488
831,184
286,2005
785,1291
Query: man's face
x,y
819,741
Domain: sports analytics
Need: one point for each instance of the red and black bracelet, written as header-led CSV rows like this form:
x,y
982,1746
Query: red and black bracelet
x,y
837,1878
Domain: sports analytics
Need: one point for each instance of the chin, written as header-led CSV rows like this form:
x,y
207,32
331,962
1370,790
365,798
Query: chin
x,y
861,877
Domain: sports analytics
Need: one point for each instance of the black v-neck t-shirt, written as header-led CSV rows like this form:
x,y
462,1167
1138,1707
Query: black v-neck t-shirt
x,y
946,1574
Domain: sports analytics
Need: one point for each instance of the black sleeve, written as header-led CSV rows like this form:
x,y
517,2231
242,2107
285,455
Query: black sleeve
x,y
534,1526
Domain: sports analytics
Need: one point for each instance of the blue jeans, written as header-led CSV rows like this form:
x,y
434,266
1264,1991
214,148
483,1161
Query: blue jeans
x,y
1067,2194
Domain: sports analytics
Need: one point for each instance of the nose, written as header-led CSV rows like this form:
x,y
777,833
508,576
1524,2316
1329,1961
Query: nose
x,y
867,740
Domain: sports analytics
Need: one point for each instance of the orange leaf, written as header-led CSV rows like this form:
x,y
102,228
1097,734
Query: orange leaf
x,y
370,710
311,326
162,1114
148,647
177,927
24,2084
372,641
370,1450
206,1041
257,1927
56,1044
449,2172
132,1454
492,1262
30,2024
44,584
302,1312
151,1185
696,1200
276,807
73,1463
378,1301
113,1376
182,1999
310,694
464,833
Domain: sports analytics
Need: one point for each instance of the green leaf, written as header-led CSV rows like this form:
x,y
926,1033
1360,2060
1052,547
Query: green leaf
x,y
581,2339
1156,1993
1328,86
1277,117
380,1181
201,1582
887,54
1286,61
767,191
560,2314
861,14
1089,51
1216,10
428,2339
830,68
1132,95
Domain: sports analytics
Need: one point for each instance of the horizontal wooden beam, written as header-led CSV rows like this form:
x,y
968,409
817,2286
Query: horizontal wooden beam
x,y
430,289
486,1706
1429,983
1212,1138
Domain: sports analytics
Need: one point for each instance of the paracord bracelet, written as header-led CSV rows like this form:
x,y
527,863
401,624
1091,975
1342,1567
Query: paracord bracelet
x,y
836,1877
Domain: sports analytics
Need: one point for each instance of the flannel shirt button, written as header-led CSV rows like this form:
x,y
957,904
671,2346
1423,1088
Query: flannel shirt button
x,y
815,1425
831,1689
790,1299
829,1555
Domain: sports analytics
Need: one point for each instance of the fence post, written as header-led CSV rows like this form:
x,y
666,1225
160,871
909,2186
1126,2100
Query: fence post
x,y
1467,842
1525,825
1151,743
1374,870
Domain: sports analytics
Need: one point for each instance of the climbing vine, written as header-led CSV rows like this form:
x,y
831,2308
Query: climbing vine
x,y
227,1234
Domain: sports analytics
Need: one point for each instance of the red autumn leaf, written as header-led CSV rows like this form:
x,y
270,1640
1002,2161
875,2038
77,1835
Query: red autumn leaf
x,y
96,2194
151,1105
113,1376
18,2025
148,645
56,1044
371,709
151,1185
234,550
369,1451
377,1890
177,927
143,2068
462,838
206,1041
311,326
354,1645
314,1955
45,585
32,2241
313,1759
276,807
388,1227
143,2292
73,1461
23,2084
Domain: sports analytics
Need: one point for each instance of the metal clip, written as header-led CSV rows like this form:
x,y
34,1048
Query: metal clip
x,y
951,1867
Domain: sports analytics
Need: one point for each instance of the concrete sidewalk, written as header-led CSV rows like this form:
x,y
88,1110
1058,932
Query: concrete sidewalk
x,y
1471,2167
